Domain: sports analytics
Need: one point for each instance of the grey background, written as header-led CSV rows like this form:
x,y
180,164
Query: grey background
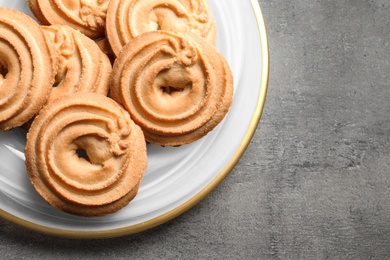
x,y
314,182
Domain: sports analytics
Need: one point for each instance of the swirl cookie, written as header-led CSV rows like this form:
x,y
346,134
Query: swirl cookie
x,y
26,74
177,87
87,16
130,18
84,155
80,65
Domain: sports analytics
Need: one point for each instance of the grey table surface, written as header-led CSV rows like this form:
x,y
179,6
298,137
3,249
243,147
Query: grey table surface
x,y
314,182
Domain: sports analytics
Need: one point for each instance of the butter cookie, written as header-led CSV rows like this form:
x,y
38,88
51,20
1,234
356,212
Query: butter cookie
x,y
176,86
80,64
127,19
84,155
87,16
26,74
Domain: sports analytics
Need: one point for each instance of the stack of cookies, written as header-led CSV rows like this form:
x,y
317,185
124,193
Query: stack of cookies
x,y
95,81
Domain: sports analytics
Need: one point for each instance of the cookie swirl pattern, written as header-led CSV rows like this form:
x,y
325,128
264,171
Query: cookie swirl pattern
x,y
177,87
88,16
128,19
80,65
26,74
103,179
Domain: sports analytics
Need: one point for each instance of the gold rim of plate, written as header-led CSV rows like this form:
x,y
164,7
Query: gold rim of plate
x,y
198,197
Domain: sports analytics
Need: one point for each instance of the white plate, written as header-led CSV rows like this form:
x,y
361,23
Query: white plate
x,y
176,178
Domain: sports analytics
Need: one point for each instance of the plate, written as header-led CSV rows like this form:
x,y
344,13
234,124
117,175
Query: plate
x,y
177,178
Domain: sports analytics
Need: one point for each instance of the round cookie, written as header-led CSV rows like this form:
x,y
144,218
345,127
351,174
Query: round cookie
x,y
80,64
26,74
87,16
84,155
127,19
177,87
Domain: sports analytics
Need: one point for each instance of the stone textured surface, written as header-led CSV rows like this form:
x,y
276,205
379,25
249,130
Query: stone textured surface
x,y
314,182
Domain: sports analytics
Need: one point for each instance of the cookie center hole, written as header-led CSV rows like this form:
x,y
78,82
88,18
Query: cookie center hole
x,y
81,153
170,90
3,71
56,84
60,77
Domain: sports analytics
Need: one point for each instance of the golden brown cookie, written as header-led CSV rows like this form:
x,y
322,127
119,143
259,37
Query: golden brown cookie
x,y
177,87
26,74
84,155
127,19
88,16
81,66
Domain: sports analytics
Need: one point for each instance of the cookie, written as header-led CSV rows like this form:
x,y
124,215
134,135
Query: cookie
x,y
26,74
84,155
87,16
80,64
127,19
177,87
